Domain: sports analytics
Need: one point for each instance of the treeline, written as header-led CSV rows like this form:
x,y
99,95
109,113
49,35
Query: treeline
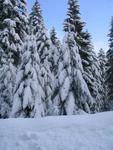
x,y
40,75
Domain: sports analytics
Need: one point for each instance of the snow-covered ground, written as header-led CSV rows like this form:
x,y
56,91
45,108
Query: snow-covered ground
x,y
84,132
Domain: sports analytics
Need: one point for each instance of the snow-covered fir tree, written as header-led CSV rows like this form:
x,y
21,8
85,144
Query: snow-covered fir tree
x,y
37,27
23,16
10,43
28,90
74,93
55,54
109,72
39,76
91,69
102,69
7,80
74,19
97,93
55,50
9,21
87,54
12,34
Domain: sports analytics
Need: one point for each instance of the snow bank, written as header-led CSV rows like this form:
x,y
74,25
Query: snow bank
x,y
85,132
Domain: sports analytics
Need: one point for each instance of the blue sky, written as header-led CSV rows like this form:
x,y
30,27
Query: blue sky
x,y
96,13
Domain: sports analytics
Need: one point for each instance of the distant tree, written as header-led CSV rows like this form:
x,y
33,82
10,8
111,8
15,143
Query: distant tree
x,y
97,93
86,54
102,65
109,72
55,49
91,67
55,54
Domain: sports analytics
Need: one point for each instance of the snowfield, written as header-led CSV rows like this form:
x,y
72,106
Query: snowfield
x,y
84,132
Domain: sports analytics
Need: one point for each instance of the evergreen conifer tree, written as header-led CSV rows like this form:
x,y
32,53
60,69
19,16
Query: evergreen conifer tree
x,y
86,54
85,48
74,93
55,48
109,72
28,90
12,35
102,66
91,69
38,29
97,93
9,47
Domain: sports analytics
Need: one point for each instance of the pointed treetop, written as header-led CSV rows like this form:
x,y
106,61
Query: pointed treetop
x,y
73,21
111,35
101,51
53,35
36,9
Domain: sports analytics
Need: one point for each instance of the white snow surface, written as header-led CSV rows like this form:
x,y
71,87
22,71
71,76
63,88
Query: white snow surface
x,y
83,132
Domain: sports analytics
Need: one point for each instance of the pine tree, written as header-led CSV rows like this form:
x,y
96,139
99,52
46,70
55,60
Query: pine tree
x,y
102,65
12,34
23,16
55,48
86,54
28,90
74,24
97,93
109,72
91,69
37,27
9,48
9,39
7,80
74,93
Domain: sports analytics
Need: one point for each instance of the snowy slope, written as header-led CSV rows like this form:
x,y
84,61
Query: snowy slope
x,y
85,132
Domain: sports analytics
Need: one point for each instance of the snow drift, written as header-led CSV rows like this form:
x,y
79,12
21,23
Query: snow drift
x,y
84,132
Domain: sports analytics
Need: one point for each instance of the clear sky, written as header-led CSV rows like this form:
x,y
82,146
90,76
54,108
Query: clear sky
x,y
96,13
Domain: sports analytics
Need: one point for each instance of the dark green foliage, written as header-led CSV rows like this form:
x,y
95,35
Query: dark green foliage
x,y
109,72
102,65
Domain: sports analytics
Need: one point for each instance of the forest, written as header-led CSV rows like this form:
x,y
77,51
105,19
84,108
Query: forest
x,y
42,75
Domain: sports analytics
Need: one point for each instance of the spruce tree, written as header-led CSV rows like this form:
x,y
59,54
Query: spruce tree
x,y
87,54
74,93
28,91
9,38
23,16
102,65
9,49
12,35
55,48
38,29
7,81
109,72
91,69
97,93
74,20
